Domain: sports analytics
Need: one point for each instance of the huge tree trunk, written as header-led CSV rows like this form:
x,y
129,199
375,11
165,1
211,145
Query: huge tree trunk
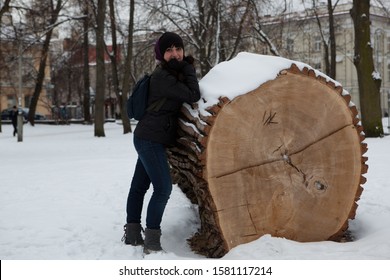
x,y
284,159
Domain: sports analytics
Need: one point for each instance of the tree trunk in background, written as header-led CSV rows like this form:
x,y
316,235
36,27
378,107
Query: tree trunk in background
x,y
3,9
42,63
332,41
127,77
368,79
86,99
259,165
114,56
328,38
100,70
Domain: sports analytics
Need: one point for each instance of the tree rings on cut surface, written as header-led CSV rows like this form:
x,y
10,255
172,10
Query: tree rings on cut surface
x,y
284,159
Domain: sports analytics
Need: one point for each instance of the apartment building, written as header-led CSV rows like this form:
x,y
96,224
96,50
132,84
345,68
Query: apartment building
x,y
297,36
19,62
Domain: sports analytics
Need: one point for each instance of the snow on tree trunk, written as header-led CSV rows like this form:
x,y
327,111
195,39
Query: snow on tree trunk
x,y
284,159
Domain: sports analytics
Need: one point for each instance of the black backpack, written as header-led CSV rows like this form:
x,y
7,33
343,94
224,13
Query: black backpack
x,y
138,100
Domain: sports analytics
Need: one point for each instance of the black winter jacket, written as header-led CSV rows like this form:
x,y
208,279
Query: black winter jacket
x,y
177,87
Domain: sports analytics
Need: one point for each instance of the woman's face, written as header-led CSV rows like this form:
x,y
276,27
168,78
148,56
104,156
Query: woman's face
x,y
174,53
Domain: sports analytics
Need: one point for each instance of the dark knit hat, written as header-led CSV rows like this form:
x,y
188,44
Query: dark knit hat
x,y
167,40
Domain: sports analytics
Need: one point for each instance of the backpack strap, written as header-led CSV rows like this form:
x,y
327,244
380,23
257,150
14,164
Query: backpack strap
x,y
156,105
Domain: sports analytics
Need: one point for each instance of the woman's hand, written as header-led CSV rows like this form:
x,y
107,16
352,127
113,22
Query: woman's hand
x,y
176,65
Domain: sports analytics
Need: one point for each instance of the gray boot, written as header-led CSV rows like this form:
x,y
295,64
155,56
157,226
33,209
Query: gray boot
x,y
152,240
132,234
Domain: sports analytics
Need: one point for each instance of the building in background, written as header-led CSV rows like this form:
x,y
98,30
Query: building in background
x,y
297,36
67,75
19,62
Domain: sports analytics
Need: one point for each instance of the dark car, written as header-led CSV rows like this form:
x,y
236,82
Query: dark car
x,y
6,114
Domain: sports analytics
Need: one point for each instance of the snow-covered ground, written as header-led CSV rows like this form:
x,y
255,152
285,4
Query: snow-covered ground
x,y
63,195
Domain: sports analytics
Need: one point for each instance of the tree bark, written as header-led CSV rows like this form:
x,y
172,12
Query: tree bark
x,y
285,159
368,79
332,41
114,55
127,71
100,70
86,99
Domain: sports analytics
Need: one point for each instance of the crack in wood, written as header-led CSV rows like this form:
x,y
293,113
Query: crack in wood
x,y
287,159
278,148
280,159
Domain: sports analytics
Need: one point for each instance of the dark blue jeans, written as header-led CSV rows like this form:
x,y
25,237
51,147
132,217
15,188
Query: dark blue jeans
x,y
152,167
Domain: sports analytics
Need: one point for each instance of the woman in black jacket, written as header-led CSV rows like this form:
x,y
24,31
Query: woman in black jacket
x,y
173,82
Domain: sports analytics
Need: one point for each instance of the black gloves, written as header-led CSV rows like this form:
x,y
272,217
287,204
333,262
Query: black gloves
x,y
176,65
182,69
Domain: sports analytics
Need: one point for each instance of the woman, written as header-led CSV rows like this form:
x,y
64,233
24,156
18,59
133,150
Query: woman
x,y
173,81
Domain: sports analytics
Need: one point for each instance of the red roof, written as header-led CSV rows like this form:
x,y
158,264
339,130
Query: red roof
x,y
77,55
92,54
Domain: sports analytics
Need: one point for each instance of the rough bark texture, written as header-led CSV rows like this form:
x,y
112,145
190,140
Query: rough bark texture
x,y
369,84
100,70
284,159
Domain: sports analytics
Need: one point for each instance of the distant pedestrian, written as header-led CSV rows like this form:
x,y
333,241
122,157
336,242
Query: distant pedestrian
x,y
64,113
14,119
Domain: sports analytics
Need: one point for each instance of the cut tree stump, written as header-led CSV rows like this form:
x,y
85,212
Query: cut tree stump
x,y
285,159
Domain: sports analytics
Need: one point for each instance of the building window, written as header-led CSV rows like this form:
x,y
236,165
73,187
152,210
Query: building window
x,y
11,101
317,43
380,69
378,42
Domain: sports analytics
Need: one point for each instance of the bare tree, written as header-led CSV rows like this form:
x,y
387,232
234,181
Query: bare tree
x,y
114,57
332,39
328,37
3,9
195,20
259,32
385,5
53,11
126,80
368,78
100,69
216,30
86,99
